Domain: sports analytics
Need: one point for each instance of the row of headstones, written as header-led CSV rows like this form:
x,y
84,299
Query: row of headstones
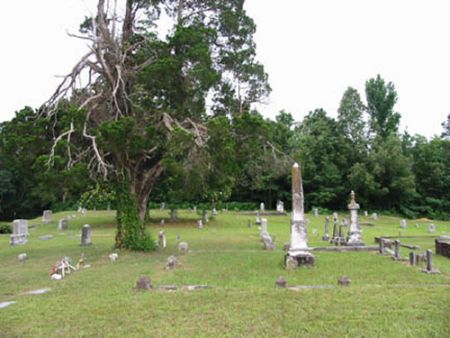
x,y
431,226
338,237
20,233
173,214
183,247
279,208
374,215
47,215
414,258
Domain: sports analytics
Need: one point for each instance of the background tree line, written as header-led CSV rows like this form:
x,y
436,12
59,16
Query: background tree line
x,y
247,158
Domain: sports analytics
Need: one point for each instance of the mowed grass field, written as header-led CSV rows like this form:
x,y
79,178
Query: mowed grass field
x,y
385,299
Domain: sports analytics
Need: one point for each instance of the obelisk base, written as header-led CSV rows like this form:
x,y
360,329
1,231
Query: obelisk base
x,y
294,259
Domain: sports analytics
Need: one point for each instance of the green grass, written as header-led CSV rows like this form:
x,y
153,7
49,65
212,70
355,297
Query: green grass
x,y
385,299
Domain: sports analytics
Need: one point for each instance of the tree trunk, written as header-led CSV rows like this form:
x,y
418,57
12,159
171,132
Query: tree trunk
x,y
131,231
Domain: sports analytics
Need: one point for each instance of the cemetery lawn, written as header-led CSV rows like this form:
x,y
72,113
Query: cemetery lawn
x,y
385,299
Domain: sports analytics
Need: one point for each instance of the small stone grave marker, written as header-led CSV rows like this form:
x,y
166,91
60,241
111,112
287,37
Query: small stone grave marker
x,y
162,239
403,224
47,216
144,283
183,247
172,262
63,224
20,232
86,235
431,228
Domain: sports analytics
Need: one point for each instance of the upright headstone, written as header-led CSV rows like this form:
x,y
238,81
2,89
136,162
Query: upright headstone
x,y
20,232
375,216
355,228
163,222
86,235
366,213
262,208
173,214
431,228
108,206
63,224
162,239
341,235
264,227
47,216
280,206
214,212
299,250
326,236
200,224
335,228
162,206
183,247
429,266
205,217
316,212
403,224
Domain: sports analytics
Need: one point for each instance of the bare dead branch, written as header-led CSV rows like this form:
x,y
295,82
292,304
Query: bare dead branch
x,y
67,133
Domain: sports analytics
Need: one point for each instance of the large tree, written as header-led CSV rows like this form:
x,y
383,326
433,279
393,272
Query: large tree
x,y
381,99
144,103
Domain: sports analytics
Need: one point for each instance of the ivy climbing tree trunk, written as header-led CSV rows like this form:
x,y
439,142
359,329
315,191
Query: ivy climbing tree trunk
x,y
131,230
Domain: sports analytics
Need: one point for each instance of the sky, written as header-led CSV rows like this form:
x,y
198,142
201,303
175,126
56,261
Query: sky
x,y
312,51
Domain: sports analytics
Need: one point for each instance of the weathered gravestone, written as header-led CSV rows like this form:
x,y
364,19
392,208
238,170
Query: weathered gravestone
x,y
22,257
354,238
316,212
366,213
200,224
86,235
375,216
47,216
431,228
344,281
172,262
162,239
214,212
281,282
63,224
299,250
162,206
183,247
403,224
280,206
20,232
429,263
264,227
173,215
262,208
326,236
335,238
144,283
